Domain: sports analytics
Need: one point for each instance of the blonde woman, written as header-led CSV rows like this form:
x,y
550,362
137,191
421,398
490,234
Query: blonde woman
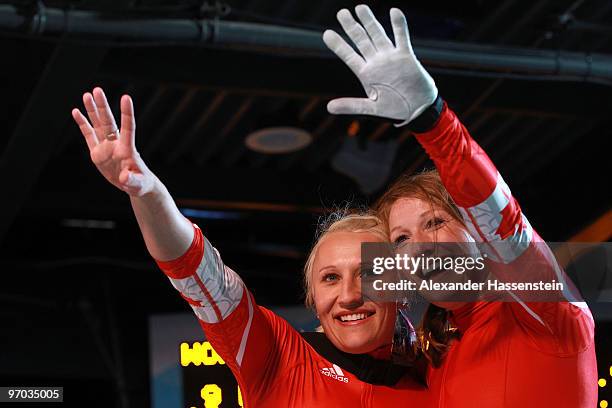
x,y
274,365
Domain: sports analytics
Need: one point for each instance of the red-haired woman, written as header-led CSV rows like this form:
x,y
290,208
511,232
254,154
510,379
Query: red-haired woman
x,y
483,354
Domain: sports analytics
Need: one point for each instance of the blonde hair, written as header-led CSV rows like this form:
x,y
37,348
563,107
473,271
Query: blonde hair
x,y
339,221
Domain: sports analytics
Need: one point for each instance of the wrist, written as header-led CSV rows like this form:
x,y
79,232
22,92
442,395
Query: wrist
x,y
427,119
149,190
157,190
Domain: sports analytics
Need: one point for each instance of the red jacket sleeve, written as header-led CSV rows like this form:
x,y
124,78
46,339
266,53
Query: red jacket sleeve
x,y
490,211
250,339
494,217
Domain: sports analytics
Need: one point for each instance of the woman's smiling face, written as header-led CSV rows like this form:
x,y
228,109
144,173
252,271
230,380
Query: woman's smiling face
x,y
353,324
415,224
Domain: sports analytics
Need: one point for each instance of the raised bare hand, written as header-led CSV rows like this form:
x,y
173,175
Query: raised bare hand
x,y
113,151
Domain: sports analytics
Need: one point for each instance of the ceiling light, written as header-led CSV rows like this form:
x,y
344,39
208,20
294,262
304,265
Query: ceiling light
x,y
278,140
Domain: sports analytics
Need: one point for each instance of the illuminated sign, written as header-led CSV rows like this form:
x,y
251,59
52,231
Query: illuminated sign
x,y
602,382
207,381
199,353
187,372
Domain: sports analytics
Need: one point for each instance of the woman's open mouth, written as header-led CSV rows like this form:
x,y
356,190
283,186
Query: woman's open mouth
x,y
354,318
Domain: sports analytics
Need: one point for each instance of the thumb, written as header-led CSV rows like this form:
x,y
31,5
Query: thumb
x,y
351,106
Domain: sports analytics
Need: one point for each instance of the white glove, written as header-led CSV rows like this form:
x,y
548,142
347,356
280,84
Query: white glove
x,y
397,85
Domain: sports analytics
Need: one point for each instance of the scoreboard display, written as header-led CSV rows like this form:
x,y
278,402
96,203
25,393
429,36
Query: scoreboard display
x,y
185,370
207,381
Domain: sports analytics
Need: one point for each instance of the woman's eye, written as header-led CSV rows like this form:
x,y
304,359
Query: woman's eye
x,y
330,277
400,239
435,223
366,271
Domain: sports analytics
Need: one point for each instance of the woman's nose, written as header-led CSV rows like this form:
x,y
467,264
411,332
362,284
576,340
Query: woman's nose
x,y
422,243
423,237
350,295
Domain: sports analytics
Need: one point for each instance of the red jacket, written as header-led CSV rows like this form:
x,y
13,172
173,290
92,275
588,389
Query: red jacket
x,y
511,354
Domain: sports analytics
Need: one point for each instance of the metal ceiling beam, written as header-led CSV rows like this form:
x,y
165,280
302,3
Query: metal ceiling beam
x,y
163,133
512,149
213,142
491,20
499,129
269,38
597,14
194,131
518,26
542,153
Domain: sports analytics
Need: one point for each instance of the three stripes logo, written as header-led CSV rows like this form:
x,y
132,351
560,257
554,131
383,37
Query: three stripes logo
x,y
334,372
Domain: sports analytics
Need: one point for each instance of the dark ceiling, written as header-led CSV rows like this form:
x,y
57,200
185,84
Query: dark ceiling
x,y
70,248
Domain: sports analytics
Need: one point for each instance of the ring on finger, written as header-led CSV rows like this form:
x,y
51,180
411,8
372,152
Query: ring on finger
x,y
114,135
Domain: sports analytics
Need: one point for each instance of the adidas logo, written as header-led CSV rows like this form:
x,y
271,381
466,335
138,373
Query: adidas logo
x,y
334,372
